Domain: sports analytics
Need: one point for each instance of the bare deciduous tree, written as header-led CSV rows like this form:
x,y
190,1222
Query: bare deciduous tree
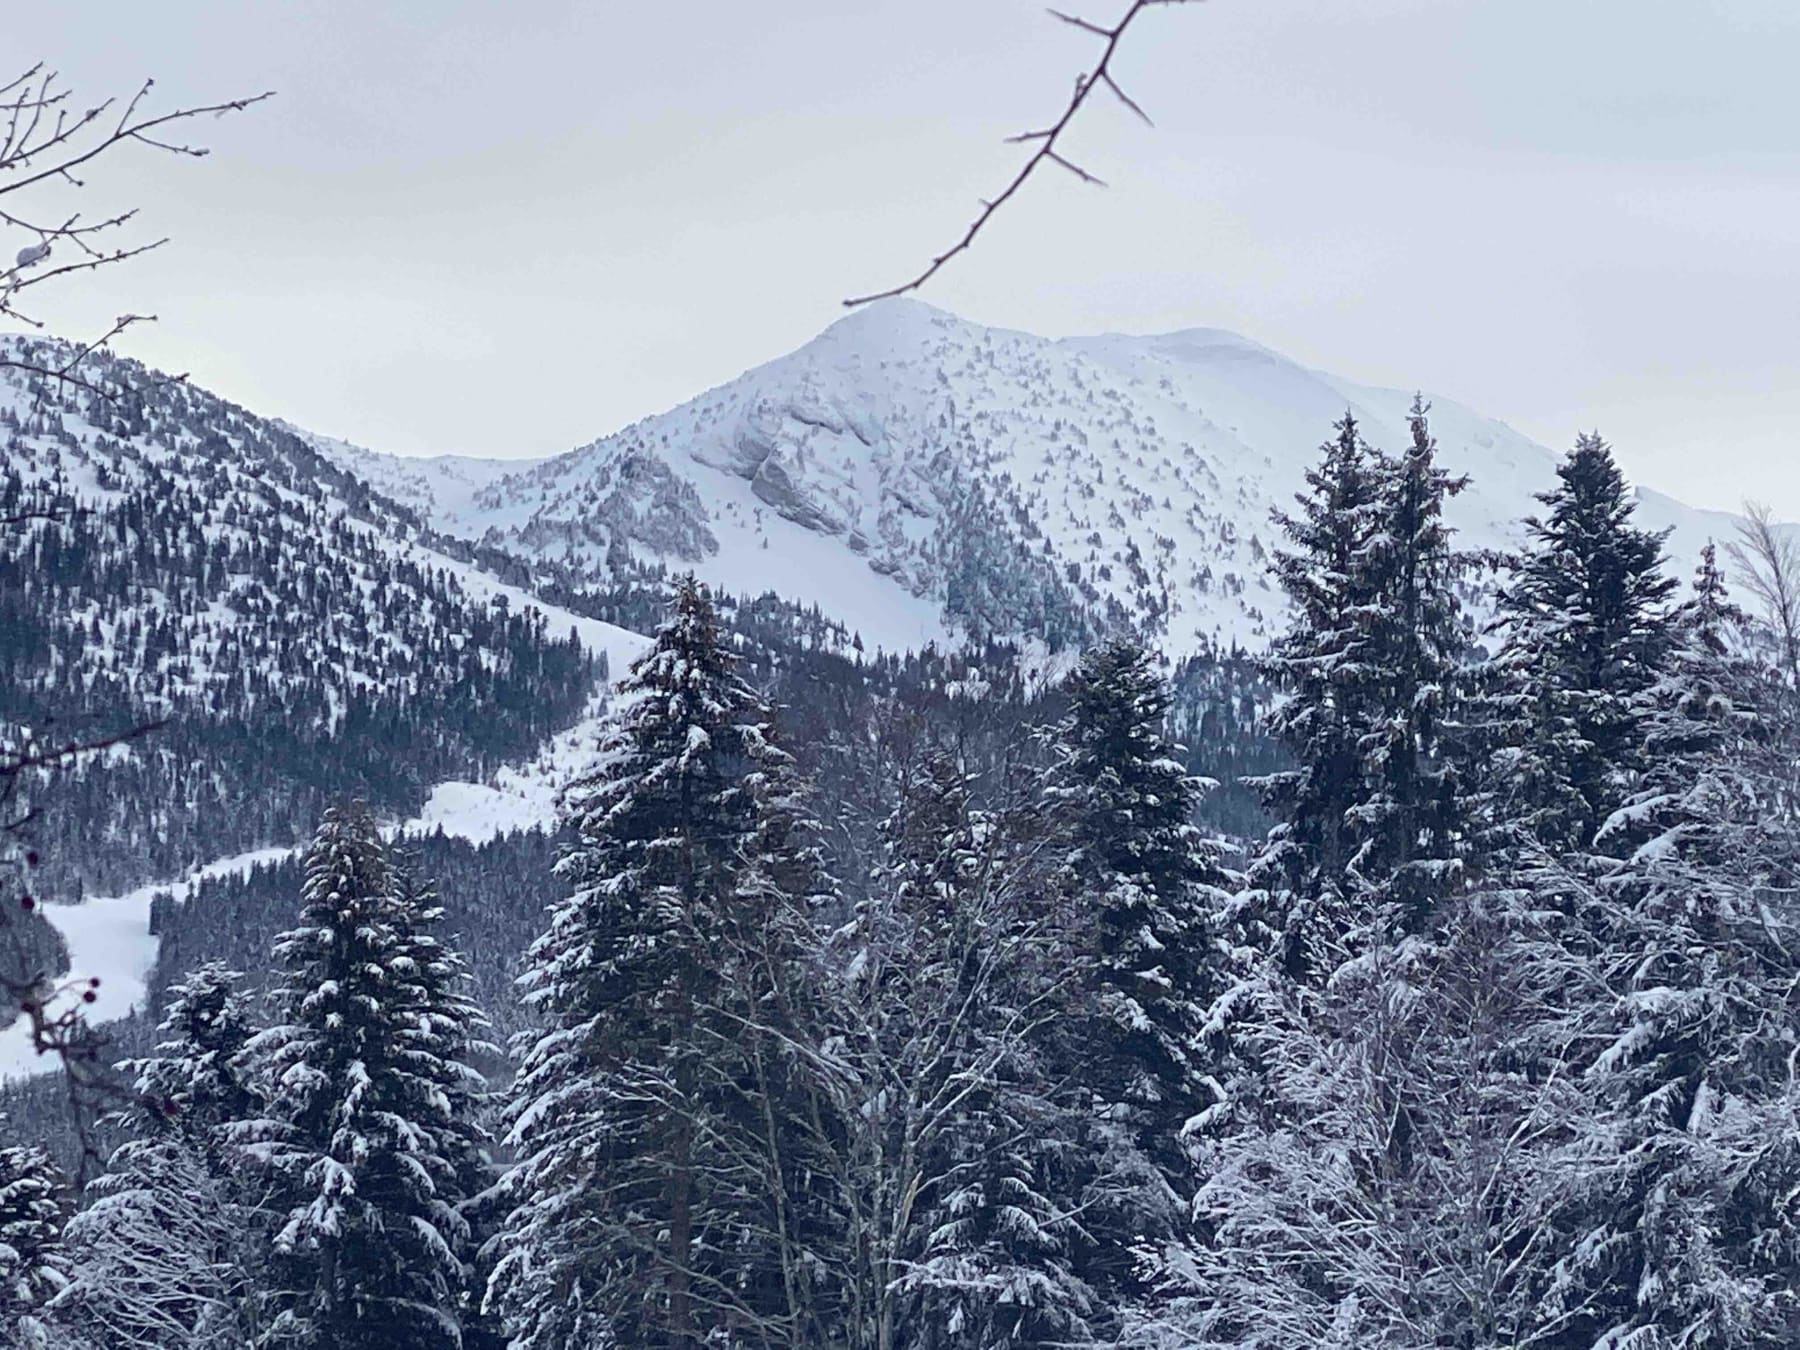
x,y
1768,568
50,141
49,146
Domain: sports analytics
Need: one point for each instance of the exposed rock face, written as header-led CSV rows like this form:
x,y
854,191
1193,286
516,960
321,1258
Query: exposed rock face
x,y
634,500
801,457
788,492
906,464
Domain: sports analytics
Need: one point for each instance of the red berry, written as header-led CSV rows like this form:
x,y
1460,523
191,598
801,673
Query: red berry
x,y
27,904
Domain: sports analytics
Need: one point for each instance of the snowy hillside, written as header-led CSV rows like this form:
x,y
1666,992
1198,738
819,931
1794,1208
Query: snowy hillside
x,y
441,486
175,556
906,463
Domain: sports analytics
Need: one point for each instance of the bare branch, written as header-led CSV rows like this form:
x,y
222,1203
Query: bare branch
x,y
1085,84
54,1011
43,141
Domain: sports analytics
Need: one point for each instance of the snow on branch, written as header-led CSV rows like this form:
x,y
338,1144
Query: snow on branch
x,y
1046,140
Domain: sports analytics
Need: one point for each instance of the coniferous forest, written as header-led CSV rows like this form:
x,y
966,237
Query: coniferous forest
x,y
1428,981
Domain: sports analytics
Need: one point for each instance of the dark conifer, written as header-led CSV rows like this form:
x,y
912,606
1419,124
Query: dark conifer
x,y
638,1214
1148,906
1585,635
357,1119
1324,666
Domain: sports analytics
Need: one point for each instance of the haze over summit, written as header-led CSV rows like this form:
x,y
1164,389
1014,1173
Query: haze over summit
x,y
502,233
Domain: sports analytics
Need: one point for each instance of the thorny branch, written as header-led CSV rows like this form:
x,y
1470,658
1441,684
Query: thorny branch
x,y
1046,140
44,140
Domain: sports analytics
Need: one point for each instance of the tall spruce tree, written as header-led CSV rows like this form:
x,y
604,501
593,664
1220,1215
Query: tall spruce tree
x,y
357,1117
1411,827
640,1218
450,1030
1149,900
1331,701
1585,635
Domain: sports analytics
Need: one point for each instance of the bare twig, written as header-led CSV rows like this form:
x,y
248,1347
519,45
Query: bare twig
x,y
43,142
1046,139
54,1011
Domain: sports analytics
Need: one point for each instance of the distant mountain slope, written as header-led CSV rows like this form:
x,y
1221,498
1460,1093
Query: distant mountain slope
x,y
181,557
910,472
324,619
438,486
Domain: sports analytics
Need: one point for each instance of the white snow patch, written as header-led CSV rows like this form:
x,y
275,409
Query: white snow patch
x,y
109,940
109,937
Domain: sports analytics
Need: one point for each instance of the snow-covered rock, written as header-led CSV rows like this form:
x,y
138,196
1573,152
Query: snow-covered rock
x,y
1140,472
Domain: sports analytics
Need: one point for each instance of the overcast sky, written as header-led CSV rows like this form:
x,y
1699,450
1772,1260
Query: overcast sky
x,y
508,228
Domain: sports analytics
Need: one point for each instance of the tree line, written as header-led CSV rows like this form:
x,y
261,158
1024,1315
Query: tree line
x,y
979,1041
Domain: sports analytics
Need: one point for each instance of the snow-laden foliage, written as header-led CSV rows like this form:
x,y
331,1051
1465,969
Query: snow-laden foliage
x,y
1326,667
1585,633
1680,1238
957,1156
1150,908
361,1074
640,1218
171,1245
33,1261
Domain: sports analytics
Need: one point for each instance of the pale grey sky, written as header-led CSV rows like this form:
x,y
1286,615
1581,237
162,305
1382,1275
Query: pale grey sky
x,y
508,228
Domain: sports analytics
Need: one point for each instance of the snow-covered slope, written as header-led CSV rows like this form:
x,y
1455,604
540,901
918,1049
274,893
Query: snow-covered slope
x,y
905,460
110,937
441,486
175,557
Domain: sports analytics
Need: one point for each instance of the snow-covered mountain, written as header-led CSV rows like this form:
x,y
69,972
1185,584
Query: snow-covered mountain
x,y
322,618
170,555
325,621
437,487
908,471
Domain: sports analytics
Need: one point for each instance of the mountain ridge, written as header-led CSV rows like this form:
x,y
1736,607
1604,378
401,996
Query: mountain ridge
x,y
916,475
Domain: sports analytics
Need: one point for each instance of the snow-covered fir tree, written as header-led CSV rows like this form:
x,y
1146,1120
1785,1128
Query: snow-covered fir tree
x,y
170,1248
357,1116
1411,826
195,1079
33,1261
450,1028
1149,899
645,1213
1330,692
1585,632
